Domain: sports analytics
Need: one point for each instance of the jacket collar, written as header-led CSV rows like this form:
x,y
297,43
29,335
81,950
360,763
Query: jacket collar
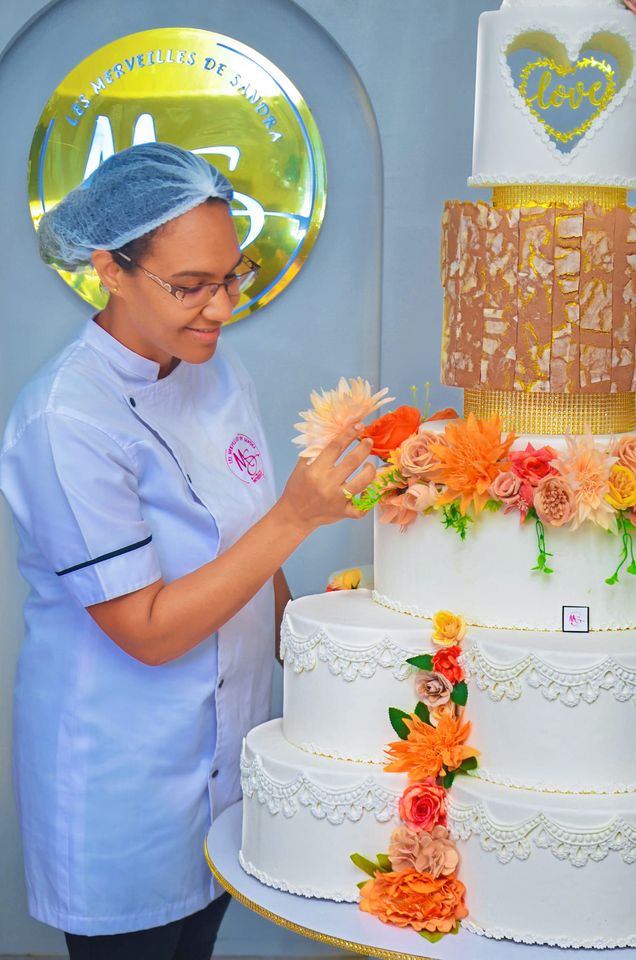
x,y
119,355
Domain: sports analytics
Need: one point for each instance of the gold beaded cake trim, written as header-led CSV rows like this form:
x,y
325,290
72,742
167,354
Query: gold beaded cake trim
x,y
555,413
563,194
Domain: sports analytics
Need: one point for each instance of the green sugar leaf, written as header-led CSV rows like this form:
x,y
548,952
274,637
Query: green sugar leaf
x,y
423,662
385,863
431,937
470,763
363,864
460,694
396,716
447,781
423,712
612,580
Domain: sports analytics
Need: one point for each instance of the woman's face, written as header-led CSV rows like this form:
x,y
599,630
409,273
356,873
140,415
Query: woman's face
x,y
196,248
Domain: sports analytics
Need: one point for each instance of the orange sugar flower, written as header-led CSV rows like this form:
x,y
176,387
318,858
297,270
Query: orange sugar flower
x,y
471,454
390,430
417,900
448,413
430,751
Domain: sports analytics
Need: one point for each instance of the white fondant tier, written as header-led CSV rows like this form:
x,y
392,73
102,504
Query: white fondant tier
x,y
304,815
567,704
511,145
546,868
488,576
345,665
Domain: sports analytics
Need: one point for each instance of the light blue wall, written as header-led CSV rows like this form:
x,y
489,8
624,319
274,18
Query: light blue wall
x,y
391,85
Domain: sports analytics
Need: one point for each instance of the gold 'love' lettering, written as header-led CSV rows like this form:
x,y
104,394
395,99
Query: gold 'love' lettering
x,y
556,97
595,84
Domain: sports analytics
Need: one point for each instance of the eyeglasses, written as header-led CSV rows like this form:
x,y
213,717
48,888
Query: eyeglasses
x,y
203,293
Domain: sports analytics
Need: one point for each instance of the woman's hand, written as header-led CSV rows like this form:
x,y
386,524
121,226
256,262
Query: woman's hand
x,y
316,493
162,621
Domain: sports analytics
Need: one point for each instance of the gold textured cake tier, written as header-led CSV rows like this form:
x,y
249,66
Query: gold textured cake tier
x,y
539,298
555,413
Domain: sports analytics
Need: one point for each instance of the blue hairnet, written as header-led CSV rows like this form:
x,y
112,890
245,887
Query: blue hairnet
x,y
129,195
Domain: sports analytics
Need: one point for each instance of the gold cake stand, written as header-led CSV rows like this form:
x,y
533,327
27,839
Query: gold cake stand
x,y
344,926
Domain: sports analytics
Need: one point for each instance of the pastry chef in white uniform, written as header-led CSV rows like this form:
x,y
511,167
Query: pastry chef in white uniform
x,y
137,472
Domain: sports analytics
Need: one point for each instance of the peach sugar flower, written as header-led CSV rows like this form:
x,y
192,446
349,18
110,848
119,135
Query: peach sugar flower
x,y
430,751
414,458
470,458
586,469
334,411
448,629
625,449
403,507
427,852
622,490
416,900
432,688
554,501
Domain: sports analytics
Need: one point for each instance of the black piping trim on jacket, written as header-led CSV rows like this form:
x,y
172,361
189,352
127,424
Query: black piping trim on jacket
x,y
105,556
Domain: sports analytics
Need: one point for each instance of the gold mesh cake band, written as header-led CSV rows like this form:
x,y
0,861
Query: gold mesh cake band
x,y
546,194
555,413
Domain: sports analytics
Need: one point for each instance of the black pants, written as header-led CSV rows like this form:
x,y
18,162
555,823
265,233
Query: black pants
x,y
191,938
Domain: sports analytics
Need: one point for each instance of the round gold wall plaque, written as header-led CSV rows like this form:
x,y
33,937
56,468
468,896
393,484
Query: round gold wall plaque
x,y
208,93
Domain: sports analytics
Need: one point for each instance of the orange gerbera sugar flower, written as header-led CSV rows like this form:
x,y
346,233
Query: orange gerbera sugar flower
x,y
471,455
430,751
411,899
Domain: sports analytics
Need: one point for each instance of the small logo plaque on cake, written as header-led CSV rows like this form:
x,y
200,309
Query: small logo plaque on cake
x,y
576,619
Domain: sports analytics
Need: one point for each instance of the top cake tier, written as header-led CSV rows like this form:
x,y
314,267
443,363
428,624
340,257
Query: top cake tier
x,y
555,98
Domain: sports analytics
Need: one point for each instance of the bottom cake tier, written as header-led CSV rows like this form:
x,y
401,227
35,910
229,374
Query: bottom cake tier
x,y
540,868
304,815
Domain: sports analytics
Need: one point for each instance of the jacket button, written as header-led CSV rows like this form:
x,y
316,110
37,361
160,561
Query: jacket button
x,y
215,773
221,682
132,401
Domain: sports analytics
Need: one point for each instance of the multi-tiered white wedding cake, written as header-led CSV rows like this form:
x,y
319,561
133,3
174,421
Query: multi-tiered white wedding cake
x,y
539,330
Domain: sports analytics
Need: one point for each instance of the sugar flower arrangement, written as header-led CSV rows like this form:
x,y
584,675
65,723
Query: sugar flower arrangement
x,y
415,884
468,467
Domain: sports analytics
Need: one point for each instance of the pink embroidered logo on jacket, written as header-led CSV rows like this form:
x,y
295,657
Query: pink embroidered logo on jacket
x,y
244,459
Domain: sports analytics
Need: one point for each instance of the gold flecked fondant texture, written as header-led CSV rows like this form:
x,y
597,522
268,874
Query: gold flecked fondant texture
x,y
539,298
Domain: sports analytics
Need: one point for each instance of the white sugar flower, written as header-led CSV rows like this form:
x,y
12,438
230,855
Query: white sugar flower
x,y
334,411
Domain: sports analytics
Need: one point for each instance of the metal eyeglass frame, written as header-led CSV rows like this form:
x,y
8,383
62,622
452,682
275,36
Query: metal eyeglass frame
x,y
179,293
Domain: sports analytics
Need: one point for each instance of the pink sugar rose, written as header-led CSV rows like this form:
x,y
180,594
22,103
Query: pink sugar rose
x,y
396,509
433,689
554,501
423,805
514,492
625,449
414,456
533,464
421,496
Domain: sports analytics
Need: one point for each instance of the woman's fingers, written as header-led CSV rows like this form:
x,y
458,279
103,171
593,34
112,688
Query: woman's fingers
x,y
336,447
350,463
361,480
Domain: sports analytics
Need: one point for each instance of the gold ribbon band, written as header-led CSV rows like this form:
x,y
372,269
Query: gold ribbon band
x,y
555,413
548,194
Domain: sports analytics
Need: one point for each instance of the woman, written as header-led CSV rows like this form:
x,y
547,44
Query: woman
x,y
137,472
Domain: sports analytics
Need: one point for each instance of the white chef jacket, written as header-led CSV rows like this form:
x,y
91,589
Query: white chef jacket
x,y
116,478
